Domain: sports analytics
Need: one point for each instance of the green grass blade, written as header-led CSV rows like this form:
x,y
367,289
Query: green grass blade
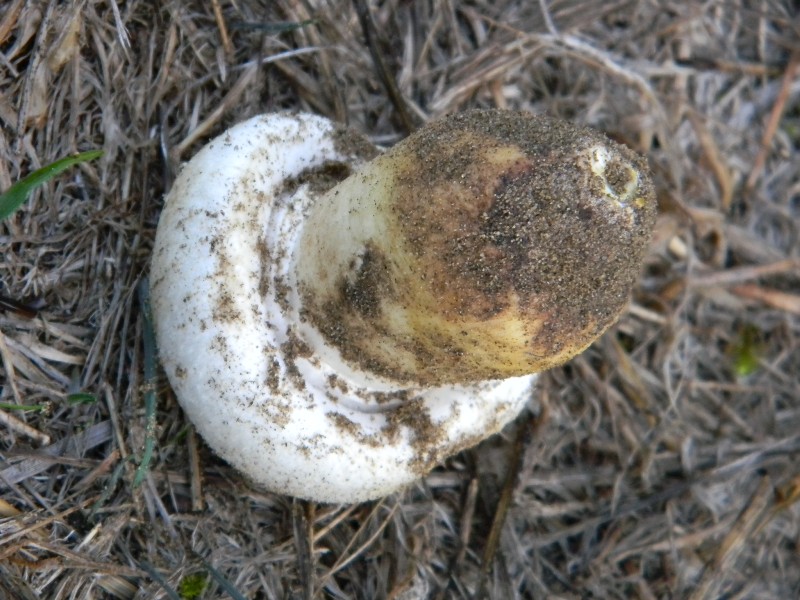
x,y
149,346
24,407
16,195
81,398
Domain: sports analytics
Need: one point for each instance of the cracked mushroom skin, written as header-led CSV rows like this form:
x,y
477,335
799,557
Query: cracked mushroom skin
x,y
336,321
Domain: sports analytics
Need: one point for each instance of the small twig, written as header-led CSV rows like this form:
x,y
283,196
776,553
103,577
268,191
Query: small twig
x,y
774,120
122,31
195,479
8,365
76,560
645,314
515,462
467,514
370,37
111,404
667,544
771,297
343,513
712,154
465,529
9,21
302,521
548,18
742,274
100,470
23,428
227,46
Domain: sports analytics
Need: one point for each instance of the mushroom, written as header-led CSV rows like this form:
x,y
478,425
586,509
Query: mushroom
x,y
335,328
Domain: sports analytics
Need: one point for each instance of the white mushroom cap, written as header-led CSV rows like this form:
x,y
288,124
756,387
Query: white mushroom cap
x,y
252,263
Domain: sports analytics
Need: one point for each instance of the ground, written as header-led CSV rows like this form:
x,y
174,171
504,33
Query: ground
x,y
661,463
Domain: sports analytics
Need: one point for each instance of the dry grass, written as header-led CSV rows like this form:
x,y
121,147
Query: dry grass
x,y
662,463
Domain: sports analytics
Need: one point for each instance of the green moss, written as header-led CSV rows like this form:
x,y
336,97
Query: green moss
x,y
746,351
192,586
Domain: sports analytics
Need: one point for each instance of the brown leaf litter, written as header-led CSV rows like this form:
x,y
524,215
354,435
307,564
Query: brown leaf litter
x,y
661,463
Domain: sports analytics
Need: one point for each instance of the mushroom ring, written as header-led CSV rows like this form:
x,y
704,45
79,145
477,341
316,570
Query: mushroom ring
x,y
337,320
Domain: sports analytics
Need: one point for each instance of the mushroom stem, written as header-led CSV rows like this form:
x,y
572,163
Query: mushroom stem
x,y
488,245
